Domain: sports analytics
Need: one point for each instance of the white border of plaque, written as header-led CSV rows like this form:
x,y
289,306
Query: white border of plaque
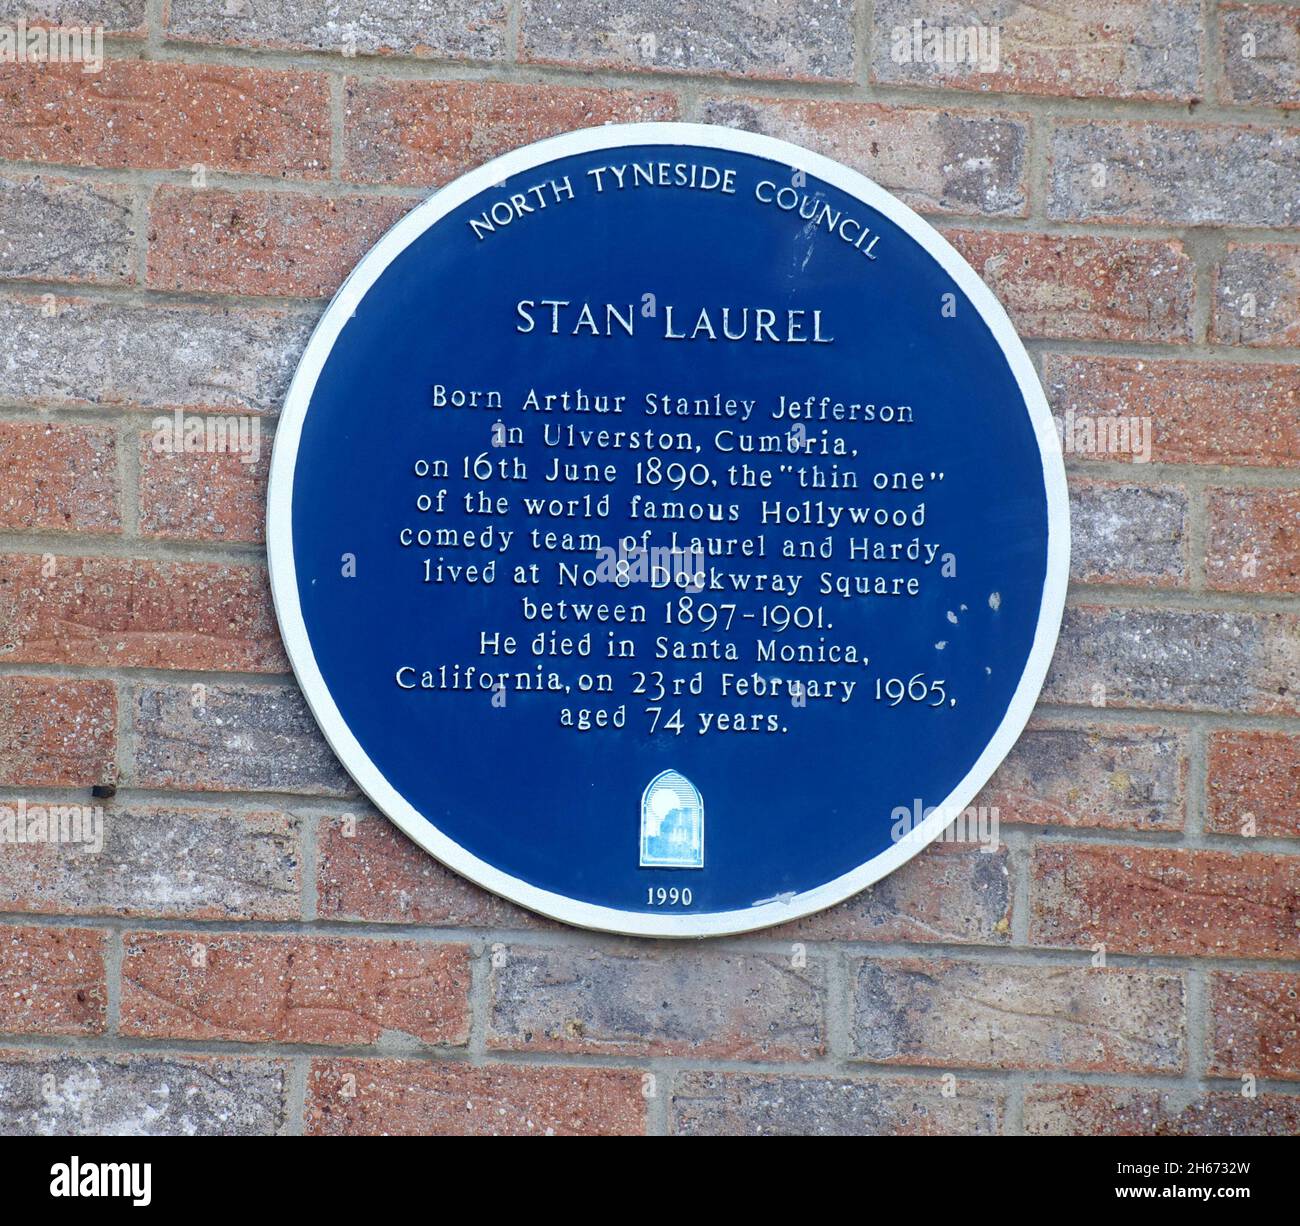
x,y
284,583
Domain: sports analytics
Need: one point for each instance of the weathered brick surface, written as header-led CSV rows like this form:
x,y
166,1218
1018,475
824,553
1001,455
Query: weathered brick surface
x,y
261,988
58,478
55,230
130,613
1254,1024
50,1093
1124,180
73,351
52,980
1093,775
1192,174
165,862
1092,1110
1177,660
262,242
369,870
776,1104
116,16
441,1098
1254,776
1165,900
1084,287
1199,412
427,132
1123,49
1128,534
203,495
1260,49
163,115
983,1015
57,732
951,892
223,738
1257,296
936,161
1254,541
773,38
649,1000
445,29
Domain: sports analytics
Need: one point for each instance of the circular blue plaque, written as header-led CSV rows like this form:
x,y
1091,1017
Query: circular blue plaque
x,y
667,529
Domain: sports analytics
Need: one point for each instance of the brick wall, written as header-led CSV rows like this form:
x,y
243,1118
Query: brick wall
x,y
256,951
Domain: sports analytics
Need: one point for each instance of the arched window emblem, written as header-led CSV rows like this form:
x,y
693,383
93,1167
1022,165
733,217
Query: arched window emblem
x,y
672,823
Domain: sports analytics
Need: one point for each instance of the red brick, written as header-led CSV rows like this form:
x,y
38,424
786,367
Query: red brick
x,y
129,613
1254,1024
369,870
949,1014
1085,288
261,988
152,114
262,242
651,1000
1120,49
58,478
1165,900
1254,540
1098,775
1201,412
52,980
935,161
952,892
449,1098
1257,295
428,132
1115,1111
1254,775
57,732
202,495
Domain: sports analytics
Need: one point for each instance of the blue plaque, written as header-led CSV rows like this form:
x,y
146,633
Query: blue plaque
x,y
667,529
